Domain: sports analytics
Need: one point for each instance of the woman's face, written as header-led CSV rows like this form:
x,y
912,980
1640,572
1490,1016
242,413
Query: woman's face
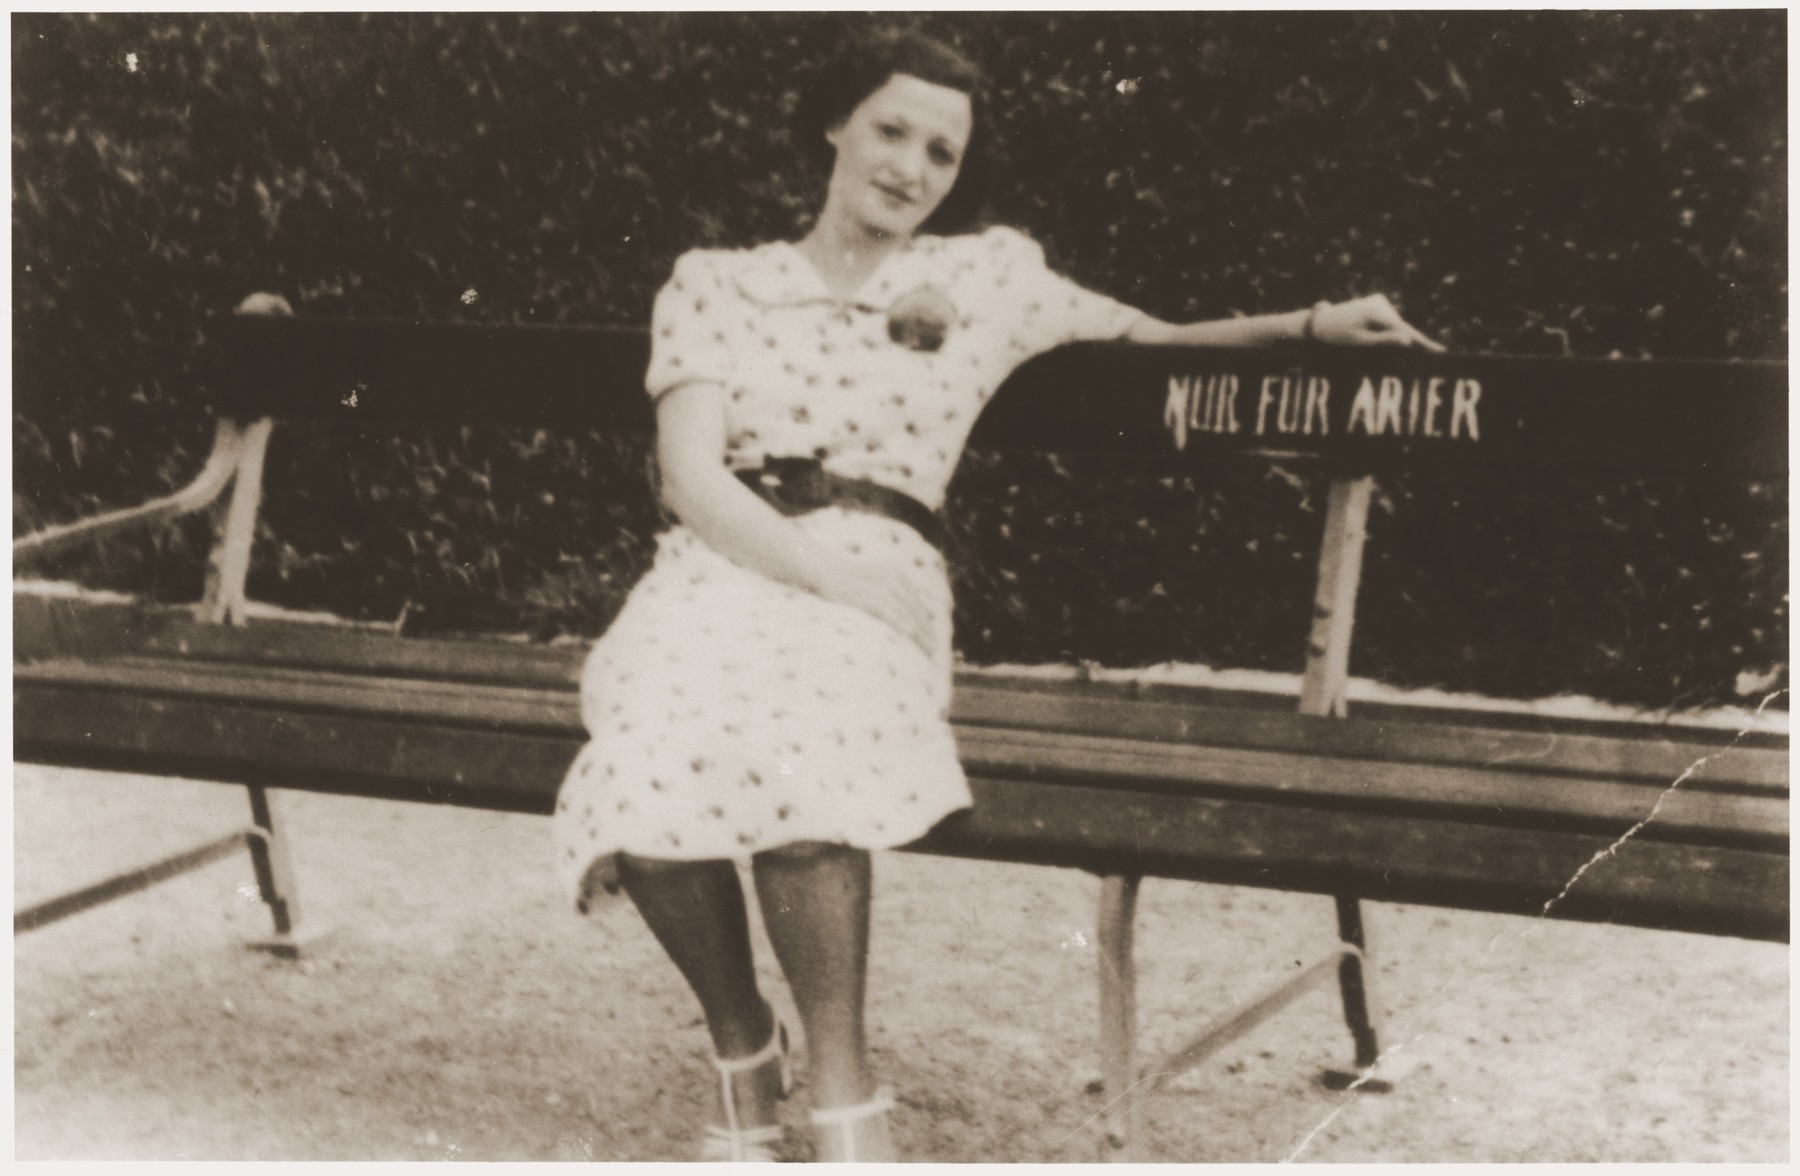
x,y
898,154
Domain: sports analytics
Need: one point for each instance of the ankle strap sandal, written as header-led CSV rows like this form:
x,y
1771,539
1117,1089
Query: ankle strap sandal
x,y
735,1143
845,1119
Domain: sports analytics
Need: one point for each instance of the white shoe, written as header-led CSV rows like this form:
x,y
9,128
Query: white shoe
x,y
845,1119
735,1143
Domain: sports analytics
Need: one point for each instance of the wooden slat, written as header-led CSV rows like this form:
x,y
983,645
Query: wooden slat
x,y
1385,858
1482,794
1486,797
1374,855
1694,417
341,649
206,739
61,627
478,706
1658,754
1676,724
1423,736
1758,762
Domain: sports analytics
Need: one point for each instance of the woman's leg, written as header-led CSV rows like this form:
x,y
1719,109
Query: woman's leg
x,y
696,911
815,901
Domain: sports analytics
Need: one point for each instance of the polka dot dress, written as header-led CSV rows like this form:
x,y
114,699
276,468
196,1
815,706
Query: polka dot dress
x,y
728,713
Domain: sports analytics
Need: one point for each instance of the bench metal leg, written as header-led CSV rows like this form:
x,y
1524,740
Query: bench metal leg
x,y
1124,1084
1356,997
1353,982
1217,1037
268,859
1118,1015
275,879
131,881
1322,692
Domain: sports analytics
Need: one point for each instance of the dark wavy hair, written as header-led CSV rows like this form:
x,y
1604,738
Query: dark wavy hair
x,y
862,67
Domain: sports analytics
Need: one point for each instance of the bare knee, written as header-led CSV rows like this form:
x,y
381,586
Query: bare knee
x,y
631,866
796,851
807,853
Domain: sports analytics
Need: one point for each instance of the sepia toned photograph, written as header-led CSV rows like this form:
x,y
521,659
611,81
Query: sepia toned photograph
x,y
1009,587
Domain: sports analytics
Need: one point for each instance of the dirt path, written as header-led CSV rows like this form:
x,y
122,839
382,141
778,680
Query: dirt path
x,y
457,1010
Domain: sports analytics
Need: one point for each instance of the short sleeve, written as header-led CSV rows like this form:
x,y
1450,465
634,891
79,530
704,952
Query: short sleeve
x,y
687,326
1044,309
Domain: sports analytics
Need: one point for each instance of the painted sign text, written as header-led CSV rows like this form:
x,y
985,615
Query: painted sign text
x,y
1299,404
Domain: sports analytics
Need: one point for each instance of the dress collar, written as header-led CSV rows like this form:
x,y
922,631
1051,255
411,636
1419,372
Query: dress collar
x,y
778,274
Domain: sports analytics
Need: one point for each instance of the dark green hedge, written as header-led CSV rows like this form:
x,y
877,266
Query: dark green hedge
x,y
1552,183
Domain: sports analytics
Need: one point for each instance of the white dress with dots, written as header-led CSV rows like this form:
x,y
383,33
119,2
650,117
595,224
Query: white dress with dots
x,y
729,713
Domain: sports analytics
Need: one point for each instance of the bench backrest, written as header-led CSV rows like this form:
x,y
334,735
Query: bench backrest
x,y
1361,410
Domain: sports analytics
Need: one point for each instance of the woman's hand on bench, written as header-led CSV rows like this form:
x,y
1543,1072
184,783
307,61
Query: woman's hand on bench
x,y
1370,321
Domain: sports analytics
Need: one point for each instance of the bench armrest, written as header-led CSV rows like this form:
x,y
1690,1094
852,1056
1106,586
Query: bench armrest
x,y
221,464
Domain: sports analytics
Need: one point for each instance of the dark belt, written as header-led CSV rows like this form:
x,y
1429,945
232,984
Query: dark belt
x,y
796,485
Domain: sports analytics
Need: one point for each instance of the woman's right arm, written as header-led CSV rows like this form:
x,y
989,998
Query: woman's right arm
x,y
734,521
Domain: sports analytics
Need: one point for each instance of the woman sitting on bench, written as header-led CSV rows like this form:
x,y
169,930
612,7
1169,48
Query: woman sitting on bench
x,y
777,688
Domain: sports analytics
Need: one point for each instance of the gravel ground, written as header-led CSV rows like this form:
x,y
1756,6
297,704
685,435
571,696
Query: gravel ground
x,y
456,1009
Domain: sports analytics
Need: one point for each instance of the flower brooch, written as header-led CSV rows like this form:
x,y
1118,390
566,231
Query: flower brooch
x,y
920,319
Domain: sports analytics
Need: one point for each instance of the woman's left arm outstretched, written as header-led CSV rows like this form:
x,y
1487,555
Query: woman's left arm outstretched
x,y
1370,321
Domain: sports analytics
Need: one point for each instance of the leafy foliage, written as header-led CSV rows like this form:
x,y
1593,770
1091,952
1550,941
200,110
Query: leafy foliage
x,y
1550,183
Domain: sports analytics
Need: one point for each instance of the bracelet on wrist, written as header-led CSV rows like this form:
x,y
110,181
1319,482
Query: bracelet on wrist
x,y
1309,332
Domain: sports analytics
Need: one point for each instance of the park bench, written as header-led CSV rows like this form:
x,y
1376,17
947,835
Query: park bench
x,y
1655,824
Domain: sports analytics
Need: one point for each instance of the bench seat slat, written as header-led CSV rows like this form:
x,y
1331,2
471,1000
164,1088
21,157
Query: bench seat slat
x,y
348,650
516,708
1656,755
1378,855
1652,753
1503,798
1707,889
321,751
1481,794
